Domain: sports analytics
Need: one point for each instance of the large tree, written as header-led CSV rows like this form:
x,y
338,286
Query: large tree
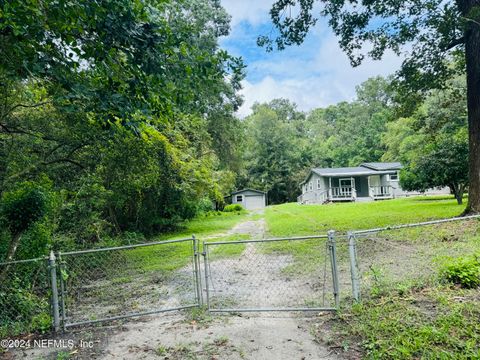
x,y
275,150
127,107
432,32
433,142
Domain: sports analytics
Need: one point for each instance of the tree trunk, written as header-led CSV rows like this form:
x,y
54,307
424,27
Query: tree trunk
x,y
472,57
459,193
12,249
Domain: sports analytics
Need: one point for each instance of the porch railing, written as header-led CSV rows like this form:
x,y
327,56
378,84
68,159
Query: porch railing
x,y
381,191
342,192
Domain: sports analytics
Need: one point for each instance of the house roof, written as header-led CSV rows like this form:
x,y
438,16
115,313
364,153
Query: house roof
x,y
350,171
383,165
373,168
247,189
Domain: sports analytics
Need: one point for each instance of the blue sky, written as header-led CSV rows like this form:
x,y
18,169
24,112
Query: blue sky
x,y
315,74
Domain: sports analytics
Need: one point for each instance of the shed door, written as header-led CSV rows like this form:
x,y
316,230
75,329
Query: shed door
x,y
254,202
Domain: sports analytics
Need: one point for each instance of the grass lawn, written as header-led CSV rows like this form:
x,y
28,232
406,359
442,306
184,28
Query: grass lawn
x,y
293,219
207,225
408,310
421,323
175,256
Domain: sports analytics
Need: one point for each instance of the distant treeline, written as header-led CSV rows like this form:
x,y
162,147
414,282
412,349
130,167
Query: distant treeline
x,y
429,136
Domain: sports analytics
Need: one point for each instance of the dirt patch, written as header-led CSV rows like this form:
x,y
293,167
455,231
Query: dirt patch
x,y
225,338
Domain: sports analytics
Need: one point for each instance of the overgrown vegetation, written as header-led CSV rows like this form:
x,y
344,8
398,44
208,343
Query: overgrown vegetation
x,y
233,207
98,103
426,323
463,271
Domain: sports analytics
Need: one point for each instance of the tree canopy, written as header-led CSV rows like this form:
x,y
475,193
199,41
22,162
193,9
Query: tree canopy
x,y
126,108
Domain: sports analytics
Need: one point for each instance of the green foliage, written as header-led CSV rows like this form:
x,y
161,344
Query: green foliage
x,y
433,142
433,28
128,108
275,155
349,133
233,208
24,309
463,271
23,206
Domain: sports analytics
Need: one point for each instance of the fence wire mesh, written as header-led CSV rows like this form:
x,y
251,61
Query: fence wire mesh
x,y
24,297
264,275
127,281
410,256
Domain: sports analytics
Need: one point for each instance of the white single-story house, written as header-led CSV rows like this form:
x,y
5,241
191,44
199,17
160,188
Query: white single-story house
x,y
250,199
369,181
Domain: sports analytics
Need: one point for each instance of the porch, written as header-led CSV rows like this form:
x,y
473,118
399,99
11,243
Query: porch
x,y
349,193
355,187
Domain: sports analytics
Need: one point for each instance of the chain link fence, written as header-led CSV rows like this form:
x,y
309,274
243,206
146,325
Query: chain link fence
x,y
115,283
270,275
408,255
25,297
302,273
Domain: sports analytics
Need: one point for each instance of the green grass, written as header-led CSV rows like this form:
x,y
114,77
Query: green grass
x,y
423,323
177,255
227,250
407,309
206,225
293,219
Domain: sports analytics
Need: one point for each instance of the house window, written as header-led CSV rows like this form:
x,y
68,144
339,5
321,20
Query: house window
x,y
319,185
310,185
239,198
394,177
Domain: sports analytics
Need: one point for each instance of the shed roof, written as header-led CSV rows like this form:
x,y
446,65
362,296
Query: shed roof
x,y
248,189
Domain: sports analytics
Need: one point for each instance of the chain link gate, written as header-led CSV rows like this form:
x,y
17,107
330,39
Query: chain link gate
x,y
121,282
281,274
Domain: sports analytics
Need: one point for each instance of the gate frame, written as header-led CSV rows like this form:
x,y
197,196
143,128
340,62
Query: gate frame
x,y
331,243
195,274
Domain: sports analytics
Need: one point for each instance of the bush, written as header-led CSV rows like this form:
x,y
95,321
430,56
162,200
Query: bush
x,y
463,271
24,206
233,208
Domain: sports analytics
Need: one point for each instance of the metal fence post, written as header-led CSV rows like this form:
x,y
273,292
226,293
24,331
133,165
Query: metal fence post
x,y
62,291
196,264
205,258
352,248
53,279
333,259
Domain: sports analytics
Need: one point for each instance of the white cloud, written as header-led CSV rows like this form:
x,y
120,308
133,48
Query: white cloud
x,y
325,78
315,74
253,11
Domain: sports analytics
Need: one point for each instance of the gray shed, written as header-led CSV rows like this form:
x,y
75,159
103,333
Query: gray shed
x,y
250,199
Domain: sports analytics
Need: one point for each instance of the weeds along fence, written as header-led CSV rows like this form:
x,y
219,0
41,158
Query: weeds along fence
x,y
298,273
83,287
25,297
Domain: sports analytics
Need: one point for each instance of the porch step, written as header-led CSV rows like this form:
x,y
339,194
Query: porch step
x,y
363,199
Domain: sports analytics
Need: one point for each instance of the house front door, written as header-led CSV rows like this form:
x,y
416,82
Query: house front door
x,y
346,186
